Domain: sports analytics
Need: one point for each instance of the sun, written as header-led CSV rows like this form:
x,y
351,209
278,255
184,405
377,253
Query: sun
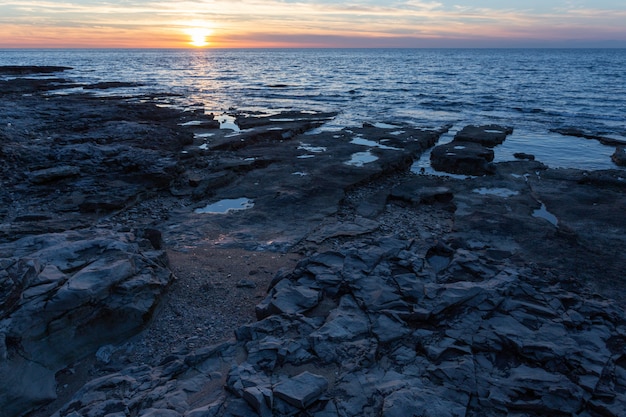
x,y
198,36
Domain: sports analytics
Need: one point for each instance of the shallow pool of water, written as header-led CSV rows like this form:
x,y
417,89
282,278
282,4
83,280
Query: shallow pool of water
x,y
543,213
361,158
226,206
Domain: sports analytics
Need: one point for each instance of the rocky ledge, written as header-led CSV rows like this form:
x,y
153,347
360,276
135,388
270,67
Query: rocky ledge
x,y
499,294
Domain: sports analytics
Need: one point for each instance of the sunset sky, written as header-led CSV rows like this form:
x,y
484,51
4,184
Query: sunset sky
x,y
319,23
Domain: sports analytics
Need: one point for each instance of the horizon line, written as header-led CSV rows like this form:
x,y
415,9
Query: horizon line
x,y
304,47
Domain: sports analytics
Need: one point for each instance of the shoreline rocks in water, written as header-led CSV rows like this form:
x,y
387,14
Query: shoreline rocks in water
x,y
32,69
470,153
414,294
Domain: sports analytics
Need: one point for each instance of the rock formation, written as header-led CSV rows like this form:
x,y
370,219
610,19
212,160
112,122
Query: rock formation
x,y
470,153
498,294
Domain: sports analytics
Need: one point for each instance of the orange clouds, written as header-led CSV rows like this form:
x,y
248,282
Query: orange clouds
x,y
276,23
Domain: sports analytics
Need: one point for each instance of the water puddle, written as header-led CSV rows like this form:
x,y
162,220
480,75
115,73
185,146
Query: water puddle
x,y
500,192
310,148
385,126
228,122
226,206
301,174
193,123
371,143
361,158
204,146
543,213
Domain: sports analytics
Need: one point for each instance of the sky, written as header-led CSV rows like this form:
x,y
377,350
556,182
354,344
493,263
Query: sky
x,y
308,23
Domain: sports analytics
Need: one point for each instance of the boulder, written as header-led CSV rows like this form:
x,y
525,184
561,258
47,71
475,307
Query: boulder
x,y
64,295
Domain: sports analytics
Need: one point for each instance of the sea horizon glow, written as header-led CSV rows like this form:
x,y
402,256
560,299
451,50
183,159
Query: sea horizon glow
x,y
310,24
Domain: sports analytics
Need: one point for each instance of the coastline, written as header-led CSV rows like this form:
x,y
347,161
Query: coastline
x,y
377,277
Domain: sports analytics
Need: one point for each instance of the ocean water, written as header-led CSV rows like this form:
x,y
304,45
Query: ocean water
x,y
532,90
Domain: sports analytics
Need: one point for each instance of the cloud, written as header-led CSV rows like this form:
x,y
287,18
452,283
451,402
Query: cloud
x,y
306,21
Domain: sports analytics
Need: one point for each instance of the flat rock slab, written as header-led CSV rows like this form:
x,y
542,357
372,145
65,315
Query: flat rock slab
x,y
301,390
470,153
460,157
487,135
296,180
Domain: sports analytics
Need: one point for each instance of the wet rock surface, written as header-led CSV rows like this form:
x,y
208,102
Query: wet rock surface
x,y
414,295
619,156
470,153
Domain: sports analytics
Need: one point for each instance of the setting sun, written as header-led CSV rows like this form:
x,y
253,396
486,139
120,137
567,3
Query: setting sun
x,y
198,36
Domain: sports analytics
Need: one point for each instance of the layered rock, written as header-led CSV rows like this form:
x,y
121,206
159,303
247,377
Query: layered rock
x,y
64,295
467,325
470,153
381,333
417,295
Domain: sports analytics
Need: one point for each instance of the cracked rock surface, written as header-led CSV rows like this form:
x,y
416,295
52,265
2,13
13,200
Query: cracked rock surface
x,y
342,285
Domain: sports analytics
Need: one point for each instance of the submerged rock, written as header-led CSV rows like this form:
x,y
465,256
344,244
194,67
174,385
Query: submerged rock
x,y
619,156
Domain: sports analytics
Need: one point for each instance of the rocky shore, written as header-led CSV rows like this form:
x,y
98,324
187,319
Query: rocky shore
x,y
161,261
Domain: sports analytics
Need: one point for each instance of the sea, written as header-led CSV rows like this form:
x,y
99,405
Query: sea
x,y
532,90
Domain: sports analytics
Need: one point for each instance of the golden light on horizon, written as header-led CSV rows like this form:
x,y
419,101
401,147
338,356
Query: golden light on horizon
x,y
198,36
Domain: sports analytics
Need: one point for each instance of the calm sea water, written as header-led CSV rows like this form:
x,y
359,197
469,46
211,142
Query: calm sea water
x,y
532,90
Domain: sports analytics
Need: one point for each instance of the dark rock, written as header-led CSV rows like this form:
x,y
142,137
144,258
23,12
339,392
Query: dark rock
x,y
619,156
289,299
408,402
465,158
522,155
68,294
43,176
360,226
421,195
396,323
110,84
301,390
489,135
33,85
246,283
572,131
30,69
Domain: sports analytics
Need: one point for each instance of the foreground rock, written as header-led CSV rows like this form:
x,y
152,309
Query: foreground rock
x,y
415,295
64,295
383,333
485,319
